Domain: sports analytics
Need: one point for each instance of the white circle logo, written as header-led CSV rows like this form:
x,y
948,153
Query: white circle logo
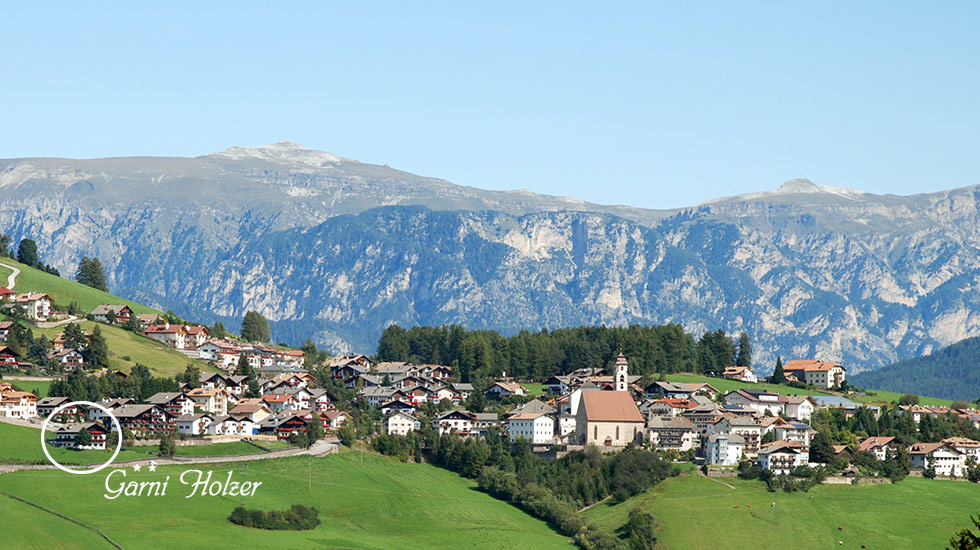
x,y
44,443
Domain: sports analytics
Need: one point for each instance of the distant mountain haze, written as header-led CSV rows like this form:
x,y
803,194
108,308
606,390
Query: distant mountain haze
x,y
337,249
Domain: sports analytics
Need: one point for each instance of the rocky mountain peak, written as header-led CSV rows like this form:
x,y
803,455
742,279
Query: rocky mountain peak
x,y
282,152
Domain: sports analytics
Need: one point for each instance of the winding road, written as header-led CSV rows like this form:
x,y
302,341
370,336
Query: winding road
x,y
12,278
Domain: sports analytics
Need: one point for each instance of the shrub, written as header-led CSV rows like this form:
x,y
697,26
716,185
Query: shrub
x,y
296,518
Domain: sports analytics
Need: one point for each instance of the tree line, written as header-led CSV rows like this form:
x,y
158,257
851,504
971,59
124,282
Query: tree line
x,y
483,354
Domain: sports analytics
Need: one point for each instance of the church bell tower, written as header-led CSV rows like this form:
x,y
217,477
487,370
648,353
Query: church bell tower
x,y
622,368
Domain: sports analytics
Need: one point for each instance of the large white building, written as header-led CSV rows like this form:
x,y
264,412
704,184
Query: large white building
x,y
821,374
537,428
723,449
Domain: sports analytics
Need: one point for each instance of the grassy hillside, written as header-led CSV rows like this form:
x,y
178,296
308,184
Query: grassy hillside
x,y
64,290
374,504
126,348
37,530
696,512
949,372
873,396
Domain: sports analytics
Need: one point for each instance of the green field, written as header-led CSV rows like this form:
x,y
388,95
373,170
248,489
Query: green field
x,y
696,512
42,386
64,290
218,449
364,502
534,388
37,529
20,445
725,385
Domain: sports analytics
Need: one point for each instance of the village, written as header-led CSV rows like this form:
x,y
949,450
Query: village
x,y
279,396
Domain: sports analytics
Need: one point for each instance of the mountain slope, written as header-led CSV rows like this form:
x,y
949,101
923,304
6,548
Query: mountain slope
x,y
126,349
337,248
950,372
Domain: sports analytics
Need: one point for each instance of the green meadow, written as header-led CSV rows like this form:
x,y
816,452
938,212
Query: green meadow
x,y
64,290
364,502
725,385
27,527
42,386
22,445
696,512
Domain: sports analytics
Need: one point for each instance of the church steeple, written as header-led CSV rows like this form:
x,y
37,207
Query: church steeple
x,y
622,370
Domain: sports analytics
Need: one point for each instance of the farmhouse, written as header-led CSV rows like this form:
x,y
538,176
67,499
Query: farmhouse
x,y
112,314
333,420
781,457
505,389
946,460
400,423
821,374
143,419
458,422
194,424
174,336
48,405
877,446
743,374
174,403
67,436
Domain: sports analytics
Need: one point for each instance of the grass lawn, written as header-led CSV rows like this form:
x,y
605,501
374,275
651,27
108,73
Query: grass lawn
x,y
534,388
218,449
41,386
20,444
695,512
37,530
375,504
725,385
64,290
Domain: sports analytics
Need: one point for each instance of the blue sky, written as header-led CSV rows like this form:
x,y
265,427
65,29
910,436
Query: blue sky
x,y
654,105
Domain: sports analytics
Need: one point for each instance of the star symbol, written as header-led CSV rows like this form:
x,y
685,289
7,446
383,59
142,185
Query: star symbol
x,y
136,467
153,466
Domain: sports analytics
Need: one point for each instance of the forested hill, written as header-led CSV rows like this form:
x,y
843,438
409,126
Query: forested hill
x,y
482,354
952,372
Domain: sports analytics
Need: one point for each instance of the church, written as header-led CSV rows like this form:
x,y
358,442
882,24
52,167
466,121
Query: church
x,y
610,418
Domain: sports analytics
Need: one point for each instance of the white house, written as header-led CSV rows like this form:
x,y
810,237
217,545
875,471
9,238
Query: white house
x,y
758,400
67,436
877,446
743,374
194,424
231,425
945,459
453,422
723,449
36,306
536,428
505,389
400,423
821,374
781,457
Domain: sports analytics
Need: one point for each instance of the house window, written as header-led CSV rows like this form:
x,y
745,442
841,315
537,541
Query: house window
x,y
595,432
617,432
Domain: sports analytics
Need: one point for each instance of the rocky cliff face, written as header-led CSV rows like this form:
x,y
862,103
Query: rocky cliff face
x,y
338,249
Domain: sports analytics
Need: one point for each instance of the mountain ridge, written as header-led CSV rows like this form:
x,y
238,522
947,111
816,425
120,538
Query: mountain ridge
x,y
807,270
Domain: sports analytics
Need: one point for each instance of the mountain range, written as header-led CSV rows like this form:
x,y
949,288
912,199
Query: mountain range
x,y
336,249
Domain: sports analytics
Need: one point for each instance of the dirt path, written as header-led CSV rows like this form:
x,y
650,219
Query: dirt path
x,y
716,480
12,278
595,504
